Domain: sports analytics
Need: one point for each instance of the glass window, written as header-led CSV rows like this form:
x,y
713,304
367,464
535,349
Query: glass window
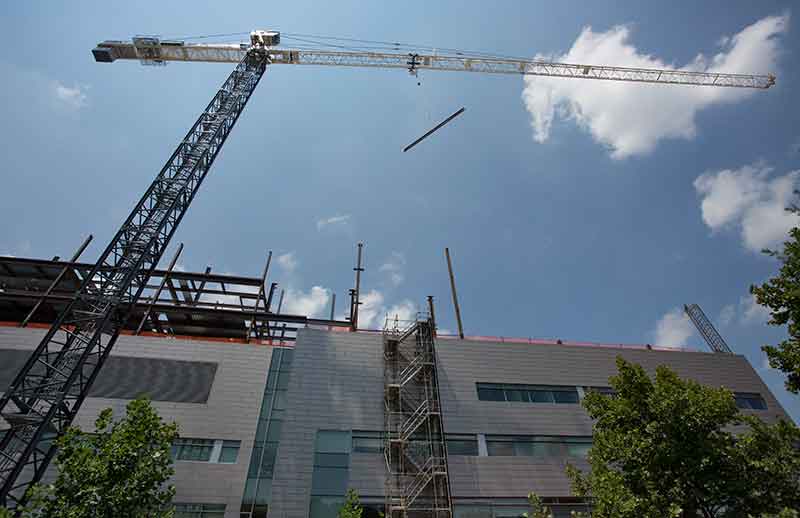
x,y
325,506
331,460
541,396
230,450
288,358
367,442
517,395
580,450
565,396
283,380
199,510
280,400
192,449
329,481
490,394
333,441
510,512
500,448
462,447
750,401
472,511
274,433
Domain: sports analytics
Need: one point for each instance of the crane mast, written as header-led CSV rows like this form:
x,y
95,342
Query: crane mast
x,y
48,391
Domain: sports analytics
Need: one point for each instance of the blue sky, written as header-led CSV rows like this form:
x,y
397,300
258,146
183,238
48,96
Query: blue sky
x,y
593,224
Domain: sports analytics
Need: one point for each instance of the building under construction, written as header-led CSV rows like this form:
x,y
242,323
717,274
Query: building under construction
x,y
281,414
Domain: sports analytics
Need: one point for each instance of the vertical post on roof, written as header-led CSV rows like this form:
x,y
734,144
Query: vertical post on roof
x,y
199,290
455,296
271,293
333,304
258,299
157,294
432,314
280,302
356,295
55,282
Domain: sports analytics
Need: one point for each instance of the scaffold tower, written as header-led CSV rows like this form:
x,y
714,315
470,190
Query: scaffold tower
x,y
417,483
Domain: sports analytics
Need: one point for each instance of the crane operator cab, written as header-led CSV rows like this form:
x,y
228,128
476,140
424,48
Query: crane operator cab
x,y
265,38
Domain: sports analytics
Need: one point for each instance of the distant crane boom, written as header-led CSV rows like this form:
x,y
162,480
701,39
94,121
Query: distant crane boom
x,y
706,328
154,51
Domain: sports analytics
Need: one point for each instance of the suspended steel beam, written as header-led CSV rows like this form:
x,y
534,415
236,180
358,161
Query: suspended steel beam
x,y
435,128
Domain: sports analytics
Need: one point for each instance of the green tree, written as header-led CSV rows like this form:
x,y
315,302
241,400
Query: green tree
x,y
781,295
664,447
351,507
538,509
120,470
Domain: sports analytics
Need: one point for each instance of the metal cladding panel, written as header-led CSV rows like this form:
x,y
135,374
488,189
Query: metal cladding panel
x,y
336,384
127,378
230,410
463,363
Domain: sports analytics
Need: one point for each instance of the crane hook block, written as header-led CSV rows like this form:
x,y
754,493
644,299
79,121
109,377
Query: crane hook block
x,y
265,38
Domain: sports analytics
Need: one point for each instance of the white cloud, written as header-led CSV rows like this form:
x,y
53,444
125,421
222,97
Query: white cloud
x,y
394,268
629,118
727,315
749,199
673,329
74,97
288,262
373,311
312,303
752,311
341,219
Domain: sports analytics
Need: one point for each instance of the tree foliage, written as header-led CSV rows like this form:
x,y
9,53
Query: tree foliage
x,y
351,507
664,447
781,295
120,470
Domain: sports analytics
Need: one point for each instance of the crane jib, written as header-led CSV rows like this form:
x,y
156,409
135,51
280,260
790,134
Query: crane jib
x,y
159,53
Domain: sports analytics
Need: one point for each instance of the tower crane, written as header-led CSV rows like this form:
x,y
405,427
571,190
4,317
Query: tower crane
x,y
48,391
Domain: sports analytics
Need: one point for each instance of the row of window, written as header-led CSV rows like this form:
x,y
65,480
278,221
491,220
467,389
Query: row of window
x,y
206,450
569,395
258,487
527,393
537,446
496,445
199,510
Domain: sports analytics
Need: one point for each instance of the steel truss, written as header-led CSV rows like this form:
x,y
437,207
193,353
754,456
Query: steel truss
x,y
417,483
47,393
152,51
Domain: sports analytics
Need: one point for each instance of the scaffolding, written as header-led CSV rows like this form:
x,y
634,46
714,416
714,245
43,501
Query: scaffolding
x,y
417,483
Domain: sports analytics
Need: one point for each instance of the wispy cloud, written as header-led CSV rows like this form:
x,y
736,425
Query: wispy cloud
x,y
341,219
73,97
750,200
394,268
673,329
287,262
629,118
